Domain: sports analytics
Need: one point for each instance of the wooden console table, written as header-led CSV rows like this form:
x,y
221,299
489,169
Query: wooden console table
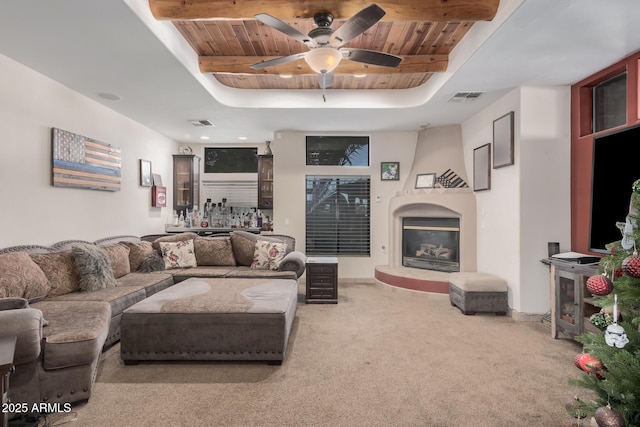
x,y
7,349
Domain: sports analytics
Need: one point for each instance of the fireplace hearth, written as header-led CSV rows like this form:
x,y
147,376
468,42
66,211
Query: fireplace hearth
x,y
431,243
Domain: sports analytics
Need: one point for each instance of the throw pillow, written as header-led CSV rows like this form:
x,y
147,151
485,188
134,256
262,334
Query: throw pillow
x,y
119,259
178,254
173,238
93,267
21,277
138,251
244,245
60,270
214,251
268,255
152,262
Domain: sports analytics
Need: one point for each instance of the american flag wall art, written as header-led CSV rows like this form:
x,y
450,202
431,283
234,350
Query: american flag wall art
x,y
82,162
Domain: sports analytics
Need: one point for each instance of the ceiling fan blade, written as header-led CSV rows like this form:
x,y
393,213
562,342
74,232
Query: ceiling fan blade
x,y
371,57
357,24
285,28
277,61
325,80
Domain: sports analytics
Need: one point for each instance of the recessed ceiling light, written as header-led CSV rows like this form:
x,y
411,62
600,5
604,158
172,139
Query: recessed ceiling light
x,y
109,96
242,138
204,137
359,76
286,76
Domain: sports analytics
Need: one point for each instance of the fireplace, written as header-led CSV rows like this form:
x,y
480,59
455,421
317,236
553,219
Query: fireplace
x,y
431,243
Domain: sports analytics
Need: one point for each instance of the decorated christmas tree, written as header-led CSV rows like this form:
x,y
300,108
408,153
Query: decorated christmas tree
x,y
611,359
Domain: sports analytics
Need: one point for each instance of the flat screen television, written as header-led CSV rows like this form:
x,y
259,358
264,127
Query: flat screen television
x,y
616,166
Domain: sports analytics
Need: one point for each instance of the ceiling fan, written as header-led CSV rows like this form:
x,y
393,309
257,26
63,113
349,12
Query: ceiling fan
x,y
325,44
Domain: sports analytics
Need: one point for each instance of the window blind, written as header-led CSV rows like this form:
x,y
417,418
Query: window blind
x,y
241,194
337,215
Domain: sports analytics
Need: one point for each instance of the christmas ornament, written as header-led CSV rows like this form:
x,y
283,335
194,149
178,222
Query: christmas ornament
x,y
615,335
600,285
607,417
590,364
576,360
631,265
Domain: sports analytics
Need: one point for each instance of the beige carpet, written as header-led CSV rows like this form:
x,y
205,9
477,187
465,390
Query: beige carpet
x,y
380,357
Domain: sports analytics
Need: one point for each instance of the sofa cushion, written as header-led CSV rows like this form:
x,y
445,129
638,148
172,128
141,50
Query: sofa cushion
x,y
252,273
93,267
151,283
119,298
13,303
138,251
268,255
21,277
76,333
215,251
178,254
119,259
173,238
209,271
60,270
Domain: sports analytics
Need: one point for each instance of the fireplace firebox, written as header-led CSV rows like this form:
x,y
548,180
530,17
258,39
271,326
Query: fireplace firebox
x,y
431,243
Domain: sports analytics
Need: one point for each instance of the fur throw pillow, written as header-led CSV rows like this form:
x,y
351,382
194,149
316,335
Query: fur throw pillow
x,y
93,267
152,262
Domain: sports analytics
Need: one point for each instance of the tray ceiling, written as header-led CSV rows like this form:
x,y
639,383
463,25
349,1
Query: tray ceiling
x,y
227,39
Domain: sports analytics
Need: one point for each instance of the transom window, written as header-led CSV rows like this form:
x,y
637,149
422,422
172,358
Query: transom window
x,y
337,151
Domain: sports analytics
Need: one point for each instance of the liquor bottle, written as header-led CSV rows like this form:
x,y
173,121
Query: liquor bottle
x,y
181,220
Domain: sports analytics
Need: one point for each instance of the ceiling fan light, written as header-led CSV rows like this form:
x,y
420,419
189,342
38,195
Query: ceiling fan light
x,y
323,59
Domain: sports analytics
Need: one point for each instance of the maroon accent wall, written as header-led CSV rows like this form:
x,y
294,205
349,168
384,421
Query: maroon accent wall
x,y
582,141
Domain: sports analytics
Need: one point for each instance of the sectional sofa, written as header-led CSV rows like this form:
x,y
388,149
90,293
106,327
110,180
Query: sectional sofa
x,y
65,302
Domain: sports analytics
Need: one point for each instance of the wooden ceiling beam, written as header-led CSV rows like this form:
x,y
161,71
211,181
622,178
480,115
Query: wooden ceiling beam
x,y
398,10
240,65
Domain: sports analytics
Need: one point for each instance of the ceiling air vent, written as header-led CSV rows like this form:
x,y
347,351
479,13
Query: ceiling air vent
x,y
200,123
465,96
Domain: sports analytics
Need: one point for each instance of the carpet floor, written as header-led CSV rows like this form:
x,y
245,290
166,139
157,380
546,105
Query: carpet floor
x,y
381,357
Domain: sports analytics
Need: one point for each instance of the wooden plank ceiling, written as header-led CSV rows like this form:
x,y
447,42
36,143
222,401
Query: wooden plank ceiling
x,y
228,40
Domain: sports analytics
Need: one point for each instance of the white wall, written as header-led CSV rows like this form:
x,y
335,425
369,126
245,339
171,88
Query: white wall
x,y
32,210
528,203
289,190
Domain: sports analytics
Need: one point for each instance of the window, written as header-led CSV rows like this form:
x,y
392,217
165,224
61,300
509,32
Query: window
x,y
337,215
337,151
230,160
610,103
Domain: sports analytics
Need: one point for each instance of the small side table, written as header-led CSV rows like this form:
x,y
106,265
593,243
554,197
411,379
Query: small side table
x,y
322,280
7,349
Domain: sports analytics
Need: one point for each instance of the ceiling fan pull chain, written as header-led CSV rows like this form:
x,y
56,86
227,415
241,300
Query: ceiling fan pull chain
x,y
324,86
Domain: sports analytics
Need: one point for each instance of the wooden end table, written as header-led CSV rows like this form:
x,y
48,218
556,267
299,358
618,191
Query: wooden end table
x,y
322,280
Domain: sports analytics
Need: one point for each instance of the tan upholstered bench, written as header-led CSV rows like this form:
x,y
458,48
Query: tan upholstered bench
x,y
478,293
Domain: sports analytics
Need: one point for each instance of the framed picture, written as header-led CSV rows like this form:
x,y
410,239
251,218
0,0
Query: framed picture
x,y
482,168
425,180
390,171
145,173
503,141
157,179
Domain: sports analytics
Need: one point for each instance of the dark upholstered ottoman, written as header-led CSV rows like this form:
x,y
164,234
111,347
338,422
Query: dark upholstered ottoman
x,y
478,293
212,319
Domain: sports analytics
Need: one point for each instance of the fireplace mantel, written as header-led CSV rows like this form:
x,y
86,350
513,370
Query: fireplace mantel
x,y
436,202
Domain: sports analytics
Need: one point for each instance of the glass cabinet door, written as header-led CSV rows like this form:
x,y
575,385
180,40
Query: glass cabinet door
x,y
568,297
186,182
265,182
